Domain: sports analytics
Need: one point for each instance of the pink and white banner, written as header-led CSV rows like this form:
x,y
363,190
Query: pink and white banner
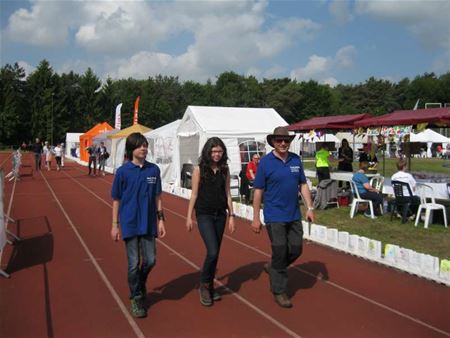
x,y
118,122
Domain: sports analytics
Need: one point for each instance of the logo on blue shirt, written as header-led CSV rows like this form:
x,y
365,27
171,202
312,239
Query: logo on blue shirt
x,y
151,179
295,168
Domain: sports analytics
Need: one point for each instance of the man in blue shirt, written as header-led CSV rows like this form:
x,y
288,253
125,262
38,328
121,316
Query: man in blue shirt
x,y
366,191
280,175
136,194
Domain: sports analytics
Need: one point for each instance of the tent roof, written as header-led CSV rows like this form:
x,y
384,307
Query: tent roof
x,y
231,120
135,128
99,128
104,135
328,122
432,116
165,130
429,135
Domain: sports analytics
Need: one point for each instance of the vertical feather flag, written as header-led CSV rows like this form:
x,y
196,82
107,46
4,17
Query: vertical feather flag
x,y
136,110
118,122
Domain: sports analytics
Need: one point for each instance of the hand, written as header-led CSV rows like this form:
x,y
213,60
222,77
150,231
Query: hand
x,y
115,233
256,226
161,229
310,216
231,225
189,224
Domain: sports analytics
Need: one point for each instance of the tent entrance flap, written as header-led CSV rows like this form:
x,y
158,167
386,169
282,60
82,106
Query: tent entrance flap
x,y
189,149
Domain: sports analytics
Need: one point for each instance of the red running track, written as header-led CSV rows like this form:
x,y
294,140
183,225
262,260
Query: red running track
x,y
68,279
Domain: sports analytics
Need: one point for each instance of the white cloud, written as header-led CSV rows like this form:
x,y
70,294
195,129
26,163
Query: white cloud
x,y
26,67
321,68
340,10
428,20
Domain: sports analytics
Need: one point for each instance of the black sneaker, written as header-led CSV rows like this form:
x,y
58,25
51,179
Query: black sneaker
x,y
205,295
266,268
137,307
215,295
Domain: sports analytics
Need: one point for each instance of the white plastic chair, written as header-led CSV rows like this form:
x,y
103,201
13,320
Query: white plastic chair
x,y
357,199
377,182
424,191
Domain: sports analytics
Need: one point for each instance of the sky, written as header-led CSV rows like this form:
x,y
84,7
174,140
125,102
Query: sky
x,y
332,42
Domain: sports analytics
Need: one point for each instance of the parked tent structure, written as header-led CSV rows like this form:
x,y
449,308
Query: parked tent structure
x,y
335,122
72,145
162,144
108,143
243,131
86,138
118,143
429,137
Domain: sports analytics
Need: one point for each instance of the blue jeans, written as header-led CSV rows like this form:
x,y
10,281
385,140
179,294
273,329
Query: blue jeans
x,y
141,253
286,240
211,229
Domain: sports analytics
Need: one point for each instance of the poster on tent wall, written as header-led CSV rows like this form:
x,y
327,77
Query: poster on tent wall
x,y
118,122
2,217
396,131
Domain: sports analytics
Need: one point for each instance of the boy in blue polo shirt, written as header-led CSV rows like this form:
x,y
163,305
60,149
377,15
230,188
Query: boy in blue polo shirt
x,y
137,208
280,175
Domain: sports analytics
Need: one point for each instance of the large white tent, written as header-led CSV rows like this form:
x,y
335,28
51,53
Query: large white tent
x,y
72,145
429,137
235,126
162,146
103,137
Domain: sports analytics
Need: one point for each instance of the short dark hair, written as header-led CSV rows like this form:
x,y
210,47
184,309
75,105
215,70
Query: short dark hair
x,y
401,164
134,141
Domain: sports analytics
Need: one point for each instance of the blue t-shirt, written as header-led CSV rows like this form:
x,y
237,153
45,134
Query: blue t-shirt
x,y
360,179
136,188
280,182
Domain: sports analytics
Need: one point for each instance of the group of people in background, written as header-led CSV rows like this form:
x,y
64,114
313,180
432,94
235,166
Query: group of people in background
x,y
97,154
138,216
45,152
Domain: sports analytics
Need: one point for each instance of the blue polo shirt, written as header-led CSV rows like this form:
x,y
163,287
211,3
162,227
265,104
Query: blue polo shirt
x,y
280,182
360,179
136,188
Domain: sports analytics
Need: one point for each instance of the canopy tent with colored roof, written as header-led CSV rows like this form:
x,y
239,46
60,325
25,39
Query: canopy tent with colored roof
x,y
86,138
118,142
335,122
433,116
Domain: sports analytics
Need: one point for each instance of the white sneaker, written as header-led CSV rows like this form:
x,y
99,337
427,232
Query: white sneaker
x,y
369,215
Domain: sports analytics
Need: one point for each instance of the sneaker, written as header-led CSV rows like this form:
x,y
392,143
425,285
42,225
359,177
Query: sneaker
x,y
283,300
137,307
367,214
266,268
215,295
205,295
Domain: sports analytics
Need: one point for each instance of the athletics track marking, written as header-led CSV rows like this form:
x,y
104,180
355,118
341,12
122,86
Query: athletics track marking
x,y
335,285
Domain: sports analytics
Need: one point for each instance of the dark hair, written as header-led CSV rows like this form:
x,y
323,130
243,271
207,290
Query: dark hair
x,y
205,162
364,165
132,142
401,164
344,140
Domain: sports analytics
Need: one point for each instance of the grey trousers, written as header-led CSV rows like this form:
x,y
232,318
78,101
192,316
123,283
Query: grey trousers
x,y
287,246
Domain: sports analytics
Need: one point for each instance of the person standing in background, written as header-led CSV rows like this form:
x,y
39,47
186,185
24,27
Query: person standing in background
x,y
37,150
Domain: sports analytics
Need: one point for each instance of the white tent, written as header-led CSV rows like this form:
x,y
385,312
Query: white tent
x,y
162,146
72,145
306,142
429,137
243,130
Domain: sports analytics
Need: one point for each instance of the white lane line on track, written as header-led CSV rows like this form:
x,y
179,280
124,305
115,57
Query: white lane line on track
x,y
8,212
187,261
374,302
108,284
337,286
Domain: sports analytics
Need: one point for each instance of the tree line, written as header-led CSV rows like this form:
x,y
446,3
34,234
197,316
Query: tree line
x,y
48,105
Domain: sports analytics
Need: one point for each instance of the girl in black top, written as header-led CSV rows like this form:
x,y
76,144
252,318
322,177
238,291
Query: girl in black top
x,y
345,156
211,197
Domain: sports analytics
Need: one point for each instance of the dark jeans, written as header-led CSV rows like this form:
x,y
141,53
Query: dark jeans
x,y
323,173
37,161
211,229
93,162
101,164
376,198
141,253
287,246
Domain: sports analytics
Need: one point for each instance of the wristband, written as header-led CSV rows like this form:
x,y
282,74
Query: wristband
x,y
310,209
160,215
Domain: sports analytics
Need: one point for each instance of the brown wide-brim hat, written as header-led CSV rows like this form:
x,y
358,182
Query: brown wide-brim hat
x,y
279,132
